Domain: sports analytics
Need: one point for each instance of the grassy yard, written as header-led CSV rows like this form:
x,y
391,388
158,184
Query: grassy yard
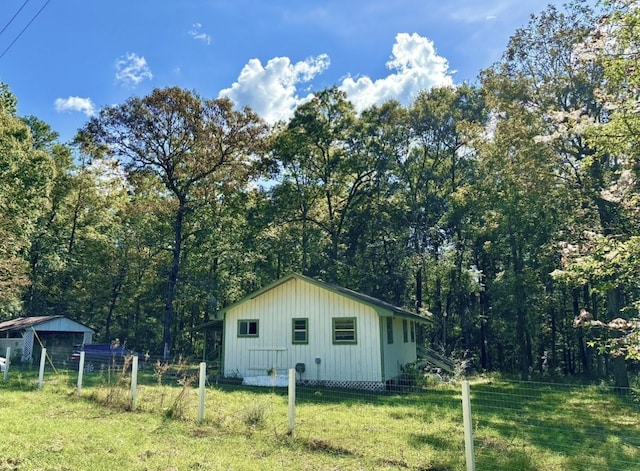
x,y
517,426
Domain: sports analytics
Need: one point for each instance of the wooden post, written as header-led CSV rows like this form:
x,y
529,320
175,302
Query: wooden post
x,y
134,382
292,400
468,427
43,359
80,373
6,364
203,383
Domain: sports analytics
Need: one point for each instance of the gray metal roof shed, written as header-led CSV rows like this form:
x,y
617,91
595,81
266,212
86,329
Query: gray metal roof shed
x,y
19,333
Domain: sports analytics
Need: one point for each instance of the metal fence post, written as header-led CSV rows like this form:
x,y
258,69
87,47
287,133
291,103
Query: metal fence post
x,y
468,427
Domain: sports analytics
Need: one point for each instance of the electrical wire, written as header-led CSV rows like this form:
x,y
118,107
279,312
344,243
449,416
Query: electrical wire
x,y
25,28
14,17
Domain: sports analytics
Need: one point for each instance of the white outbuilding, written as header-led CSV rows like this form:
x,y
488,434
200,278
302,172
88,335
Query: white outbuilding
x,y
331,335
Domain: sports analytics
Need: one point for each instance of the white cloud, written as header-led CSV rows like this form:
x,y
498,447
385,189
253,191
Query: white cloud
x,y
132,69
199,35
75,103
416,66
271,90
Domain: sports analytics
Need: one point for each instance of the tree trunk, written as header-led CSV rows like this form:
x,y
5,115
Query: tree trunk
x,y
618,362
173,280
582,347
419,289
115,294
520,300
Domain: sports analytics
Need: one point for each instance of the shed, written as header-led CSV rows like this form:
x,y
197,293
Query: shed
x,y
330,334
57,333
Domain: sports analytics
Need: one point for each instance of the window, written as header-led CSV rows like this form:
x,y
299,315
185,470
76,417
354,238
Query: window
x,y
344,330
405,330
413,331
300,330
389,329
248,328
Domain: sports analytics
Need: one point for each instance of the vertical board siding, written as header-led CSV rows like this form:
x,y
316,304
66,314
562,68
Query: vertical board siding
x,y
273,348
397,353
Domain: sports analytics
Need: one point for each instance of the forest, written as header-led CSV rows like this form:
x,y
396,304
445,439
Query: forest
x,y
507,209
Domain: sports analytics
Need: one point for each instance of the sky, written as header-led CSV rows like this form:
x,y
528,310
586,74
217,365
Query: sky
x,y
66,59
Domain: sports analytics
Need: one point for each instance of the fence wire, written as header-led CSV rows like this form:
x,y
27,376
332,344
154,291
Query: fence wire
x,y
549,426
517,425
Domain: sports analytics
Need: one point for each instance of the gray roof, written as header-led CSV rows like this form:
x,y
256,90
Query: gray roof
x,y
23,323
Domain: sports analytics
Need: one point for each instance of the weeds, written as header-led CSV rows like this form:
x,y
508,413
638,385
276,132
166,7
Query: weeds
x,y
254,416
179,406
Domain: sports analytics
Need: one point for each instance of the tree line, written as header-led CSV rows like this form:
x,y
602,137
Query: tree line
x,y
506,209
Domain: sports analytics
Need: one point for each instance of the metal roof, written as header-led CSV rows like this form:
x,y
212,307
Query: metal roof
x,y
381,307
22,323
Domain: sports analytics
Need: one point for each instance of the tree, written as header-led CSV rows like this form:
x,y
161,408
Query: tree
x,y
322,162
535,93
187,143
606,259
436,164
25,175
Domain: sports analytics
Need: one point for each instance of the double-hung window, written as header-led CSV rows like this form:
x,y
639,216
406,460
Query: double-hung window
x,y
389,329
248,328
405,330
344,330
300,331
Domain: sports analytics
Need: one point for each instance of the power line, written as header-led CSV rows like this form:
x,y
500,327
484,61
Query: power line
x,y
24,29
14,17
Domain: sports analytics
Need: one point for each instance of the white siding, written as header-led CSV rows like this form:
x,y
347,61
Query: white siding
x,y
275,309
398,353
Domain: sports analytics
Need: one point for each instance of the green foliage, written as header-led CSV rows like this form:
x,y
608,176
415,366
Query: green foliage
x,y
25,176
504,209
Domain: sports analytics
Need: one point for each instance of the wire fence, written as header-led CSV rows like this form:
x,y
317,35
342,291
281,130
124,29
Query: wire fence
x,y
515,425
538,425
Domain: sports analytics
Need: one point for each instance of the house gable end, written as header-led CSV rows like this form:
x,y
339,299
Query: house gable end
x,y
382,308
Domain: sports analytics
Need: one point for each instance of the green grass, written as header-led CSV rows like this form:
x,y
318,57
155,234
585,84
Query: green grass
x,y
517,426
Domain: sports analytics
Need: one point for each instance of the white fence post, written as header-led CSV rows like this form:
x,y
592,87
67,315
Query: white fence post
x,y
134,381
468,427
203,382
80,373
292,400
6,364
43,359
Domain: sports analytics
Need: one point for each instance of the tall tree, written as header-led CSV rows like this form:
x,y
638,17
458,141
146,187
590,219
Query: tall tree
x,y
184,141
25,175
603,258
436,163
322,164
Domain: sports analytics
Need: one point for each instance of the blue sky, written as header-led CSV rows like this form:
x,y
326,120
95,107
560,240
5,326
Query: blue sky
x,y
79,55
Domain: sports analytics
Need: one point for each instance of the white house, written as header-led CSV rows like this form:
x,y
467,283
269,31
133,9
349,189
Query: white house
x,y
330,334
58,334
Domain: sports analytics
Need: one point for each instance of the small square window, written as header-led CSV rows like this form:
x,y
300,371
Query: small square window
x,y
344,330
405,330
248,328
300,331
